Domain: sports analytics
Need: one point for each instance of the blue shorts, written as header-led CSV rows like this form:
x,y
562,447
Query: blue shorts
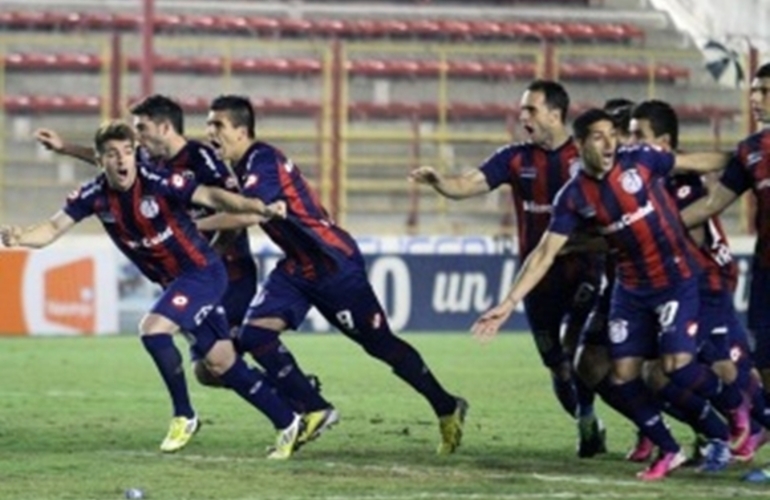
x,y
345,298
563,299
654,323
192,302
236,300
717,320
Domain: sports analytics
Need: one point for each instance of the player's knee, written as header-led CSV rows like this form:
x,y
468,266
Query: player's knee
x,y
255,335
218,355
204,376
654,376
592,364
725,370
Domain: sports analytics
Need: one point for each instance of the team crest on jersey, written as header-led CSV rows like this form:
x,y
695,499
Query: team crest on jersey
x,y
180,301
683,192
692,328
618,331
251,181
148,207
631,181
178,181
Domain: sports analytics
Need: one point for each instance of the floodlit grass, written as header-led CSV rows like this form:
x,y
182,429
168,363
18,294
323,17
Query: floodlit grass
x,y
82,419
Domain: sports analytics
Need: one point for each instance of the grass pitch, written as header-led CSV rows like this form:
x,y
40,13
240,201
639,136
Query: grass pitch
x,y
82,418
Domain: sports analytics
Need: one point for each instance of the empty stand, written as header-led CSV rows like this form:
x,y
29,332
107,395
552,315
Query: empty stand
x,y
41,104
582,70
345,28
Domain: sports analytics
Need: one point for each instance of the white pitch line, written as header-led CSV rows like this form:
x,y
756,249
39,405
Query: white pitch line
x,y
427,472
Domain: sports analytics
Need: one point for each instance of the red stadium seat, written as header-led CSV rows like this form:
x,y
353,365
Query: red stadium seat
x,y
466,68
424,28
329,27
169,22
294,26
579,31
455,29
485,29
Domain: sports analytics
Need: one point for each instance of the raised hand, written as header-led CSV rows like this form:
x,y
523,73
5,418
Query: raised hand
x,y
424,175
50,139
10,236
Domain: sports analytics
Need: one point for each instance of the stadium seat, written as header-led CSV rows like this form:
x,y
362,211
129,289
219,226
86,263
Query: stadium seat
x,y
567,70
328,27
20,104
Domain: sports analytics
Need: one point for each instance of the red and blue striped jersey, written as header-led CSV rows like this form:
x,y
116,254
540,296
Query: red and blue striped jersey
x,y
200,162
314,245
149,223
721,271
536,174
750,169
632,209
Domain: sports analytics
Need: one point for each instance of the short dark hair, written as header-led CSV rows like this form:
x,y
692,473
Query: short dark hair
x,y
763,71
240,110
619,109
582,124
161,108
115,130
555,95
662,118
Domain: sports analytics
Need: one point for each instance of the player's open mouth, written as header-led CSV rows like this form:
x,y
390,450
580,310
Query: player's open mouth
x,y
122,173
216,144
529,129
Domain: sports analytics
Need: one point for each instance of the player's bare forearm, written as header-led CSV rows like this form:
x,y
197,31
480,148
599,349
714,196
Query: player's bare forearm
x,y
701,163
719,198
536,266
224,221
83,153
230,202
456,187
37,236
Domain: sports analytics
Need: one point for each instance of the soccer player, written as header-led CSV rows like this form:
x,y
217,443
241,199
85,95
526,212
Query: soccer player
x,y
322,267
144,211
536,170
159,122
621,195
655,122
750,169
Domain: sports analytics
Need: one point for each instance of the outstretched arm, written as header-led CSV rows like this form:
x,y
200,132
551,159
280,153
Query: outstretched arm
x,y
535,267
701,163
50,139
456,187
224,221
221,199
719,197
38,235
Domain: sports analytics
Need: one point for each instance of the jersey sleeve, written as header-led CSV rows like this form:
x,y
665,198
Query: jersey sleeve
x,y
660,162
497,168
566,217
211,171
81,202
737,176
263,177
177,186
